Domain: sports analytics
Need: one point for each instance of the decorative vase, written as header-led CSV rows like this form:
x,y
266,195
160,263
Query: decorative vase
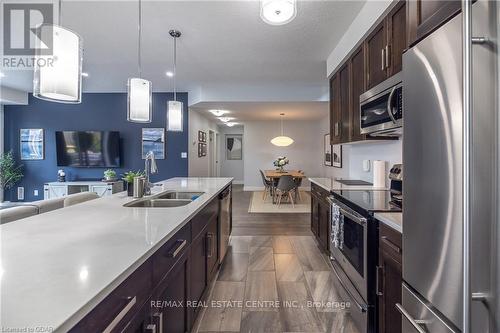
x,y
130,189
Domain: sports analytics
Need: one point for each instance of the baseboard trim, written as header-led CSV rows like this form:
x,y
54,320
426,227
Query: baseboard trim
x,y
261,188
238,182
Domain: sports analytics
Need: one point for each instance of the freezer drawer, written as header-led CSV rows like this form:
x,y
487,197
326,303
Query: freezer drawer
x,y
419,318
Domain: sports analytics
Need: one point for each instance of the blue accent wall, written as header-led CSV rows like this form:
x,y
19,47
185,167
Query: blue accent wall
x,y
98,111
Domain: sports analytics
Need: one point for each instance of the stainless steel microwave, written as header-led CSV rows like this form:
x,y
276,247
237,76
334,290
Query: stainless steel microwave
x,y
381,108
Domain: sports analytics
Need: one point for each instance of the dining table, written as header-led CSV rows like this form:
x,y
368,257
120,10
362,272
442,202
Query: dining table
x,y
275,175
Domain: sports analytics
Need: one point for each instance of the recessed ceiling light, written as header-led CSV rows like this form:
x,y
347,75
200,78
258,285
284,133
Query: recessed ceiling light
x,y
278,12
2,74
218,113
169,74
85,74
225,119
231,124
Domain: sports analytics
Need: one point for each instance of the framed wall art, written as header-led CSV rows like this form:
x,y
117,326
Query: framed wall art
x,y
327,150
153,139
234,146
31,144
337,156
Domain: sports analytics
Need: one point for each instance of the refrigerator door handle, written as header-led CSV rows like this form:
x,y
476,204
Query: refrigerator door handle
x,y
415,323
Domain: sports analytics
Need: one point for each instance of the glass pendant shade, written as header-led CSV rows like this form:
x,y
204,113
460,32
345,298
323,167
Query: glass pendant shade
x,y
174,116
139,106
58,77
278,12
282,141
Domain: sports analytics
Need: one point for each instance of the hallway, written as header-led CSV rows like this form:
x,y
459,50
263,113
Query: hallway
x,y
274,278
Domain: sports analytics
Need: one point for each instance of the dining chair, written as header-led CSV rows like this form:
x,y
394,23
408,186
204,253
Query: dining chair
x,y
298,182
286,186
267,185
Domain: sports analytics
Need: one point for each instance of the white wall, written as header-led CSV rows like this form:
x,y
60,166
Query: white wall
x,y
354,154
371,12
304,154
198,166
231,168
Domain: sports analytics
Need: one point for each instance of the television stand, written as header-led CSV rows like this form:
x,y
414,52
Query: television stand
x,y
61,189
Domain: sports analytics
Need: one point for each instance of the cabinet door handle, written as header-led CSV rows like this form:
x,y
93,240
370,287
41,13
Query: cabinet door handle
x,y
387,56
209,245
379,280
159,316
383,58
391,244
174,252
151,328
336,129
121,314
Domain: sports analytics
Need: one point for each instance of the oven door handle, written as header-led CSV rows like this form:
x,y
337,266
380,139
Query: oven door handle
x,y
389,105
346,211
361,308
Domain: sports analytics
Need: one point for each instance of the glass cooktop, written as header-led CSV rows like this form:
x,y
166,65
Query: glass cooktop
x,y
370,200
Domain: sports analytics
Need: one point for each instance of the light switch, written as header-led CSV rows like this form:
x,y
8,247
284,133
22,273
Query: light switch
x,y
184,154
366,165
35,193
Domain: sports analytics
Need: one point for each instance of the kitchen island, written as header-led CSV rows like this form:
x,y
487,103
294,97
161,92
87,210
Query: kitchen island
x,y
59,269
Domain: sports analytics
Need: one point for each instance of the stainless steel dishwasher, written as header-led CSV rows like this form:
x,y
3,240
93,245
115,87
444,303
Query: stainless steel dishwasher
x,y
225,221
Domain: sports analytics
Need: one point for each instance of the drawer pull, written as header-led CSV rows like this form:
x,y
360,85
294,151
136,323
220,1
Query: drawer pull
x,y
159,315
391,244
121,315
181,244
380,272
209,245
151,328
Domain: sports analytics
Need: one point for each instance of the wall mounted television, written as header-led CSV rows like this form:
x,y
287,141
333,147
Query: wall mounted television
x,y
88,149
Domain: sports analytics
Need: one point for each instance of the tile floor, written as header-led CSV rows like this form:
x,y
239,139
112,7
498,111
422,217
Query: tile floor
x,y
272,282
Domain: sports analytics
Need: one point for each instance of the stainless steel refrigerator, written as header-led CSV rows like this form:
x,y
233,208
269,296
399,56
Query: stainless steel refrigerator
x,y
438,179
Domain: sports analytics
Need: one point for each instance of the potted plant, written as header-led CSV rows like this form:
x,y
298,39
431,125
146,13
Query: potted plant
x,y
128,178
10,173
280,163
110,174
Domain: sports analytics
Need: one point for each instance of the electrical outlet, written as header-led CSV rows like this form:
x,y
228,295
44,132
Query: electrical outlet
x,y
184,154
20,193
35,193
366,165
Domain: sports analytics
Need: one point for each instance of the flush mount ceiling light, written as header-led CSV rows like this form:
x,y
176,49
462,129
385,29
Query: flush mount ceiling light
x,y
278,12
85,74
2,74
282,140
218,113
231,124
174,112
169,74
225,119
61,81
140,105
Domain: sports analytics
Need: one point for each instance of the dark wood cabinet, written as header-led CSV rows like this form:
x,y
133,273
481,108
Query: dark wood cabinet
x,y
357,63
198,267
335,113
143,321
396,38
345,110
212,248
425,16
389,279
375,49
320,216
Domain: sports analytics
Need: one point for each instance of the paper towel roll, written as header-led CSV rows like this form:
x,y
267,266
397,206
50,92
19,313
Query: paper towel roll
x,y
379,173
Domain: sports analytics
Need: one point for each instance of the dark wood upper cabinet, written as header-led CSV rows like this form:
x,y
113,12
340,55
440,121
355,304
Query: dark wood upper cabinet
x,y
396,35
425,16
345,111
357,63
375,56
335,114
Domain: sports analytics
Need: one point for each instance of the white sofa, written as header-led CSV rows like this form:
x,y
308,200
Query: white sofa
x,y
44,206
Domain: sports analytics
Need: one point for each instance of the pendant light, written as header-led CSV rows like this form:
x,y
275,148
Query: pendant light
x,y
278,12
60,82
139,91
174,108
282,141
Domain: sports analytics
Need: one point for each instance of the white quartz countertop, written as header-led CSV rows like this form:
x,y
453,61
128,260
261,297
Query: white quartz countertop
x,y
393,220
331,184
56,267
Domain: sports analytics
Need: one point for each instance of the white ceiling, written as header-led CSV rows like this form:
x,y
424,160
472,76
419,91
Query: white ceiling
x,y
223,42
252,111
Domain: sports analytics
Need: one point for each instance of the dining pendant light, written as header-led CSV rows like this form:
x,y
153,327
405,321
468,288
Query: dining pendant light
x,y
174,108
139,90
61,81
282,140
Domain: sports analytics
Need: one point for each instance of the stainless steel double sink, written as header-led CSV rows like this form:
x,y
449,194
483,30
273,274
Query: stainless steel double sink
x,y
166,199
